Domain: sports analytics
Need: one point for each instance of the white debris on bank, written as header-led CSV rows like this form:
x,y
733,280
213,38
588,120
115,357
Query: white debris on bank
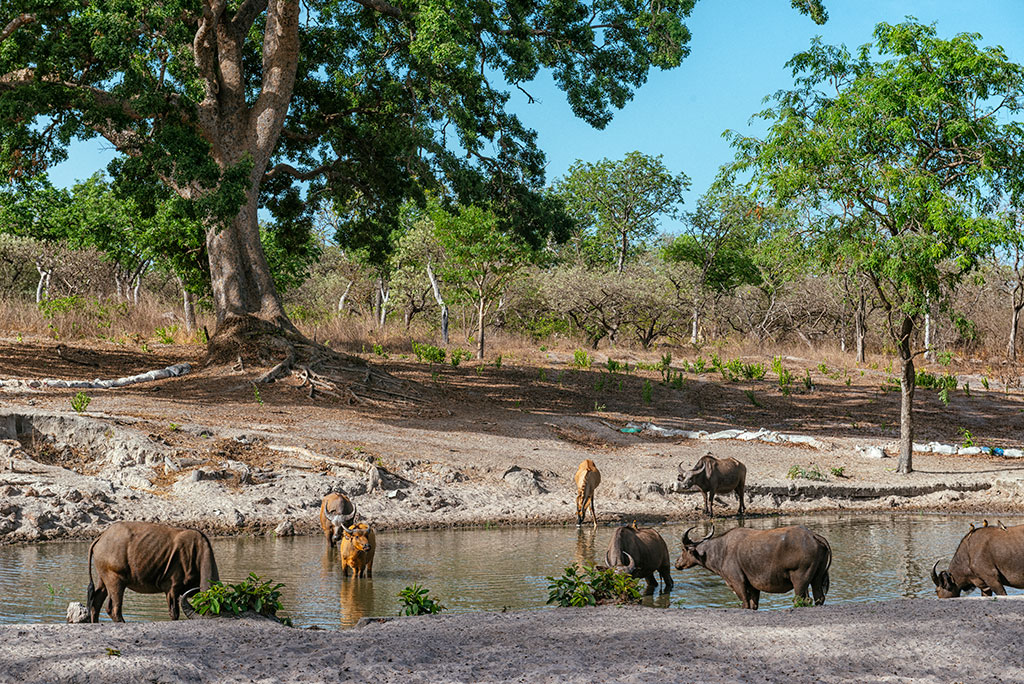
x,y
761,435
174,371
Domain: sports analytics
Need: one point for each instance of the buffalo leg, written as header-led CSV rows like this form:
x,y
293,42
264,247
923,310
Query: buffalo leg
x,y
116,599
709,502
651,583
666,577
753,598
99,595
172,603
739,495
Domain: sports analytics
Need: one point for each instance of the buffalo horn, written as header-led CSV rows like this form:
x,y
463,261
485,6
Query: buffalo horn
x,y
632,564
935,577
186,604
709,535
608,559
686,537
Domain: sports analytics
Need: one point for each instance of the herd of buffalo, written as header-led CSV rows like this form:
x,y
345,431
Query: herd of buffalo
x,y
153,558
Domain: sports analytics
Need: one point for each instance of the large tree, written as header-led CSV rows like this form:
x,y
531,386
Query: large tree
x,y
896,160
231,104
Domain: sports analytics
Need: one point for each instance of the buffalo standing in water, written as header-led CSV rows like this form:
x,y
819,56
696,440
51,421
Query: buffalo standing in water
x,y
715,476
148,558
989,558
752,561
640,552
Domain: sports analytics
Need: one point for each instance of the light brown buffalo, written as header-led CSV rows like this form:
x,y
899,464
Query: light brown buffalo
x,y
588,477
358,544
752,561
988,558
337,513
148,558
714,476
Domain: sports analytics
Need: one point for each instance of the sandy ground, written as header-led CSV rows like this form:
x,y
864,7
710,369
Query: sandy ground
x,y
922,640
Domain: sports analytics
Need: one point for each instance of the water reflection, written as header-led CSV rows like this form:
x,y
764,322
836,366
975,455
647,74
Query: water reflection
x,y
875,557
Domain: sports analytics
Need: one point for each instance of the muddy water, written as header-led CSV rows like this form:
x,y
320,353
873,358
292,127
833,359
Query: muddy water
x,y
876,557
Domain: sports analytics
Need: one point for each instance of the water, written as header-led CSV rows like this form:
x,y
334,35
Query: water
x,y
875,557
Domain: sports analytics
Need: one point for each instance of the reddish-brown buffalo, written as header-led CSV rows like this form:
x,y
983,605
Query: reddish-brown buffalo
x,y
358,544
988,558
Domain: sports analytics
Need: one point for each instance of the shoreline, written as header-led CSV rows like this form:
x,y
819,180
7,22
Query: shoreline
x,y
904,640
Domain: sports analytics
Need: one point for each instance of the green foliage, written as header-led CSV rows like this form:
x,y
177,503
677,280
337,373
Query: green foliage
x,y
646,393
926,380
803,602
257,397
416,600
259,596
809,473
80,402
497,361
945,357
752,397
429,353
612,365
458,356
838,472
581,359
166,334
378,349
808,382
984,381
966,438
587,586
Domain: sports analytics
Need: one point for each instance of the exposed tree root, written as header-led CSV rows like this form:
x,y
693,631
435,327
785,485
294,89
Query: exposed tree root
x,y
251,341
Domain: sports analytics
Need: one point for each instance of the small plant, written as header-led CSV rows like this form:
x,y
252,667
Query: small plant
x,y
944,396
785,381
428,353
458,356
416,600
646,392
581,359
80,402
497,361
166,334
145,347
945,358
543,348
613,366
838,472
256,394
966,438
201,336
984,382
803,602
113,652
699,365
599,383
18,338
754,371
173,427
752,397
599,407
967,389
253,594
798,472
808,383
587,586
542,375
777,365
378,349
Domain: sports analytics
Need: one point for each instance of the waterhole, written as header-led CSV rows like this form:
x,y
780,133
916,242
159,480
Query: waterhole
x,y
876,557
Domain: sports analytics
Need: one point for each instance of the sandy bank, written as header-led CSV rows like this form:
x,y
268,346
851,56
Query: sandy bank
x,y
923,640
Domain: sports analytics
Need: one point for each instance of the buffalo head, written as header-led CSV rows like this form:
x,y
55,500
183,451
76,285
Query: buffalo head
x,y
617,564
945,587
341,521
691,554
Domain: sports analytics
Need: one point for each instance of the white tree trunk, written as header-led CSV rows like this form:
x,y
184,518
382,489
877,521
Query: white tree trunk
x,y
440,302
384,294
344,296
43,288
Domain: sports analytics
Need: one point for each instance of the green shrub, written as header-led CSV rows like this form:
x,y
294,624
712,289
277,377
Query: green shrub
x,y
581,359
838,472
613,366
166,334
428,353
458,356
587,586
647,392
80,402
966,437
417,601
800,473
253,594
785,381
378,349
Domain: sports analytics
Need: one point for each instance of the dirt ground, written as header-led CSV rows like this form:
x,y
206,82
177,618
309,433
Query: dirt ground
x,y
473,444
922,640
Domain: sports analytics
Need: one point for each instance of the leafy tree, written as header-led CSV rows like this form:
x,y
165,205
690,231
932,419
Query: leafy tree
x,y
896,161
716,241
620,202
479,260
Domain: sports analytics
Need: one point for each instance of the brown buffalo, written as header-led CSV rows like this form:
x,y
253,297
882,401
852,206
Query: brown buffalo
x,y
337,513
989,558
714,476
587,478
752,561
640,552
148,558
358,544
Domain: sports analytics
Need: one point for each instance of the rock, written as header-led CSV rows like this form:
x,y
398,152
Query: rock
x,y
396,494
871,452
29,491
523,481
285,529
1013,453
77,614
237,518
73,495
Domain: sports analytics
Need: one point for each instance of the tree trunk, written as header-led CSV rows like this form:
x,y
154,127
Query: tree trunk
x,y
383,295
480,328
189,309
929,353
907,384
622,253
860,326
344,296
44,283
695,325
1015,308
440,302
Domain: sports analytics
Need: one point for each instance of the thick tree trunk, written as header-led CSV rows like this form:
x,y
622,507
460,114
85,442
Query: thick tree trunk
x,y
860,326
189,309
239,274
481,306
907,384
1015,309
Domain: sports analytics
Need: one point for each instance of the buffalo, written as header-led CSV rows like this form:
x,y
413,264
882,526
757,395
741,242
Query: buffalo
x,y
752,561
714,476
587,478
358,545
337,514
989,558
639,552
148,558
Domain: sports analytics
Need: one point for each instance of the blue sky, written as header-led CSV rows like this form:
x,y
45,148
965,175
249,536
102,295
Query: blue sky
x,y
738,52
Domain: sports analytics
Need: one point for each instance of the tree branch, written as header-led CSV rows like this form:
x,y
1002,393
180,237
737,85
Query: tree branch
x,y
383,7
16,24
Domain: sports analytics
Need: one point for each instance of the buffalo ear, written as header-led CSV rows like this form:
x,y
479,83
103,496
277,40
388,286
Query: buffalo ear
x,y
946,580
